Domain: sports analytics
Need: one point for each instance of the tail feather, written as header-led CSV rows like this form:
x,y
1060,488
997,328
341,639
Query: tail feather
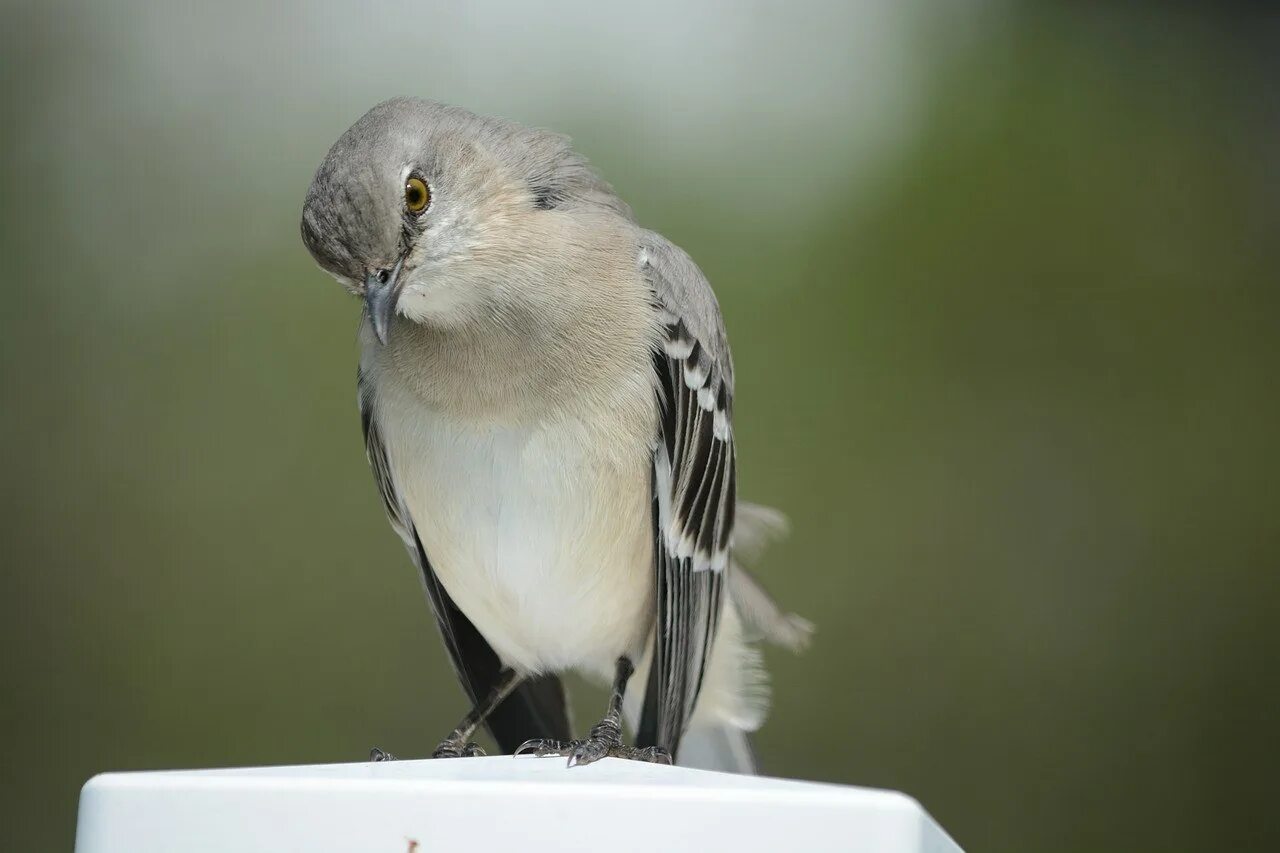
x,y
718,746
762,618
735,691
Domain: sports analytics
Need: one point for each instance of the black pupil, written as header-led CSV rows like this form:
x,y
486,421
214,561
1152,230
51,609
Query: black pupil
x,y
414,194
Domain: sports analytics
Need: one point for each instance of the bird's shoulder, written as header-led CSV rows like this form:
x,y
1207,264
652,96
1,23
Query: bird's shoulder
x,y
689,316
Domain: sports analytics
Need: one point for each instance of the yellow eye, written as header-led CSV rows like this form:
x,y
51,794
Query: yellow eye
x,y
416,195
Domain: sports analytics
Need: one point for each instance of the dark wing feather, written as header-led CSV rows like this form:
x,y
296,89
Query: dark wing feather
x,y
538,708
694,486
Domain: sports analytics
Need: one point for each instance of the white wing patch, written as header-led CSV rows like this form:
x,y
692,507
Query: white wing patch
x,y
698,440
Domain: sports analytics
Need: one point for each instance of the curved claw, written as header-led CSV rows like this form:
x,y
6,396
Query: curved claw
x,y
376,754
543,746
590,751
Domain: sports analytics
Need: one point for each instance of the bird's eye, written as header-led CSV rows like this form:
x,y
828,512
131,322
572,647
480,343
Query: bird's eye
x,y
417,195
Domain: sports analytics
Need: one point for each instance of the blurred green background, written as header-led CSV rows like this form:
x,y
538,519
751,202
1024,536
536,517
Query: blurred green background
x,y
1002,282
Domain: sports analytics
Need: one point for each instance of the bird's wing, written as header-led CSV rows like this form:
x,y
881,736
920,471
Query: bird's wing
x,y
694,485
536,709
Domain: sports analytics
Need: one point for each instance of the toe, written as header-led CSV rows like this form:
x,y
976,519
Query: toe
x,y
541,746
654,755
453,749
588,752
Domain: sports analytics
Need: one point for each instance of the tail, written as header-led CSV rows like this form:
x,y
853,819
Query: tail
x,y
734,698
761,616
716,745
717,742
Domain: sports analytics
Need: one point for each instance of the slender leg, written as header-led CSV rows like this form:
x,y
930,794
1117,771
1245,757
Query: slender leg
x,y
458,743
605,738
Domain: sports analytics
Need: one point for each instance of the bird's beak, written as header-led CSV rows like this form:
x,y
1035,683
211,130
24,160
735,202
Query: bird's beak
x,y
381,293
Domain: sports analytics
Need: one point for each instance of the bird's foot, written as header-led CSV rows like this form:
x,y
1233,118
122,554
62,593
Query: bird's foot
x,y
448,748
454,748
605,740
593,749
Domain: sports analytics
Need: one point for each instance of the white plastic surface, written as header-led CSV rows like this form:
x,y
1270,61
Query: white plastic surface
x,y
475,805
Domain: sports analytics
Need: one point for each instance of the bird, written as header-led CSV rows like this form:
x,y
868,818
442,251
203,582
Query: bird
x,y
546,395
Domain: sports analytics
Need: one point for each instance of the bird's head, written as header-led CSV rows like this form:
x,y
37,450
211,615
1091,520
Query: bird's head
x,y
433,213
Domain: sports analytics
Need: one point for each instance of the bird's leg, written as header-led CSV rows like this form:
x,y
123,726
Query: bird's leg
x,y
458,743
605,738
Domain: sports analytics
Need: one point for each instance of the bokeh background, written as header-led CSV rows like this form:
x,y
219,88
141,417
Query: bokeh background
x,y
1002,282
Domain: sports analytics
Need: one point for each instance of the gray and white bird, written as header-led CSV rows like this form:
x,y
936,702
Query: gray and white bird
x,y
547,400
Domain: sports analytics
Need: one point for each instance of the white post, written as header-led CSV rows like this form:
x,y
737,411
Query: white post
x,y
476,805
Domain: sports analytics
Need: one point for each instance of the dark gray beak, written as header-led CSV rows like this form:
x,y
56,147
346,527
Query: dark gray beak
x,y
381,293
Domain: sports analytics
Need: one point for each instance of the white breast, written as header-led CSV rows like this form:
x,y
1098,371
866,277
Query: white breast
x,y
540,534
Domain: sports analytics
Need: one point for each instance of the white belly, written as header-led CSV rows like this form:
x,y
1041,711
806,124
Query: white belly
x,y
540,535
